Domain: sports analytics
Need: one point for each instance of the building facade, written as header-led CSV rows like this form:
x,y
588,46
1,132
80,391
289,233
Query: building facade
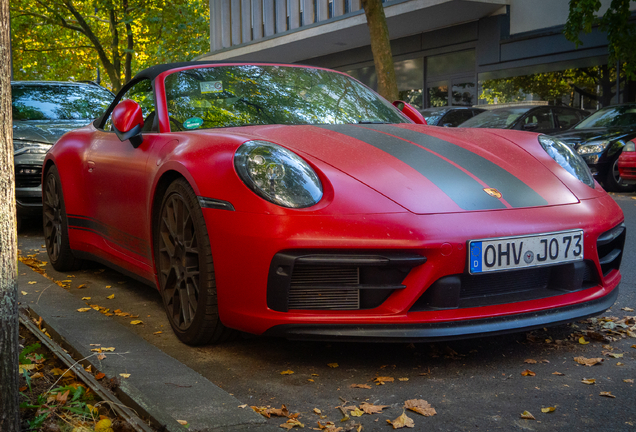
x,y
446,52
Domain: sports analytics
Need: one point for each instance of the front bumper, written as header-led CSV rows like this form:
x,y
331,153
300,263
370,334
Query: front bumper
x,y
447,330
244,246
28,184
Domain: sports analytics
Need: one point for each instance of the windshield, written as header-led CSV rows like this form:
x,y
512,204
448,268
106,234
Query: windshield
x,y
610,117
500,118
223,96
59,101
433,115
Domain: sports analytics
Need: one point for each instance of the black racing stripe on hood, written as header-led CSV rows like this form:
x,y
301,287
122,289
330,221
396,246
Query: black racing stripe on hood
x,y
514,191
464,190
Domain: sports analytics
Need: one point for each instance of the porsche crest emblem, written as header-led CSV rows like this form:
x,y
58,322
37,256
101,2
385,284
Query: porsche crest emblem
x,y
493,192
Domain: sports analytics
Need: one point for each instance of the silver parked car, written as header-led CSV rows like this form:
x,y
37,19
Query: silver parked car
x,y
43,111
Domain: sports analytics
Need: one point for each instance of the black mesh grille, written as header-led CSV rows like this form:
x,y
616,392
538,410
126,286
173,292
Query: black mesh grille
x,y
305,291
504,282
28,175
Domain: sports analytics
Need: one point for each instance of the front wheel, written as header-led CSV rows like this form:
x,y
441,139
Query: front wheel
x,y
185,268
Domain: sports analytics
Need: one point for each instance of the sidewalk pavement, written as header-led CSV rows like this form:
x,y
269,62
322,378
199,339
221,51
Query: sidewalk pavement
x,y
159,387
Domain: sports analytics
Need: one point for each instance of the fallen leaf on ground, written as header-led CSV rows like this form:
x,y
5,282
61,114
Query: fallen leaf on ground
x,y
27,367
243,406
86,298
403,379
81,286
530,361
108,286
84,309
109,349
32,282
291,423
104,425
558,373
101,356
629,380
182,422
287,372
264,411
582,341
526,415
24,292
548,409
157,332
37,375
402,421
607,394
136,322
528,372
280,412
628,309
588,381
372,409
124,375
356,412
317,411
332,365
382,380
110,297
588,361
56,371
62,397
100,375
420,406
364,386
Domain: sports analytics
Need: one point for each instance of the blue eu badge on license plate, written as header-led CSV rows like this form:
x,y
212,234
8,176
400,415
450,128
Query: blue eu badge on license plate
x,y
475,257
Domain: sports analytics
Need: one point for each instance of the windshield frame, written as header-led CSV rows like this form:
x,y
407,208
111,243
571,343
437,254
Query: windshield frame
x,y
162,99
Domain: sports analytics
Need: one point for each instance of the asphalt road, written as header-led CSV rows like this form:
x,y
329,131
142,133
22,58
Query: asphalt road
x,y
474,385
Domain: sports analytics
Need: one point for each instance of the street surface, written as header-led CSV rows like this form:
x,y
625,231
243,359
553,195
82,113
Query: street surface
x,y
474,385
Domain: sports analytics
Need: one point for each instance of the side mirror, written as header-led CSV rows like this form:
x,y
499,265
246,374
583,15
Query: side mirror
x,y
529,126
410,111
128,122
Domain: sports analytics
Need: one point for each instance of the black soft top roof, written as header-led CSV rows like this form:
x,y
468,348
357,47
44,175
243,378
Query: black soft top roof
x,y
152,72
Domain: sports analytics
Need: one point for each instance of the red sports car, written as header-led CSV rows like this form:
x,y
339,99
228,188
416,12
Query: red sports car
x,y
294,201
627,163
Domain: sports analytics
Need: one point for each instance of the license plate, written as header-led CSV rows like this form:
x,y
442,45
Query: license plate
x,y
508,253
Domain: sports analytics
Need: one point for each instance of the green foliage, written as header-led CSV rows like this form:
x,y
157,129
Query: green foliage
x,y
28,350
621,34
63,40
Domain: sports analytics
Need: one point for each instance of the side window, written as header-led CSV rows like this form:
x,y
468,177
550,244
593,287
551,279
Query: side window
x,y
566,119
142,94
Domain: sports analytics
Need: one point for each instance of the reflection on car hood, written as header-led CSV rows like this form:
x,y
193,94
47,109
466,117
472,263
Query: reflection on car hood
x,y
44,131
578,136
429,170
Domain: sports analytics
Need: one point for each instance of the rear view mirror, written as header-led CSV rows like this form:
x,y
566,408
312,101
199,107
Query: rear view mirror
x,y
410,111
128,122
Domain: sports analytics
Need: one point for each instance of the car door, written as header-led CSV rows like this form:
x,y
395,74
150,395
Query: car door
x,y
538,120
566,118
119,179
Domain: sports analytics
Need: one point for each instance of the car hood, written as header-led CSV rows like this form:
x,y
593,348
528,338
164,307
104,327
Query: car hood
x,y
44,131
430,170
574,137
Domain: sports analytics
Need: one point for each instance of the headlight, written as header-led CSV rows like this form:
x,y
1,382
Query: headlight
x,y
277,174
629,147
20,147
593,147
567,158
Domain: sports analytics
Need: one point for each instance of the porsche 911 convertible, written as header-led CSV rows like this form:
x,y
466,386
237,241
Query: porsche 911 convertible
x,y
294,201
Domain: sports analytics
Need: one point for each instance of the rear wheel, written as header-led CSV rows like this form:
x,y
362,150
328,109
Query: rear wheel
x,y
185,268
614,182
56,225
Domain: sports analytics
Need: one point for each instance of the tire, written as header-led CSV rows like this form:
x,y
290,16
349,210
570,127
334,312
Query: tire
x,y
613,181
56,224
185,269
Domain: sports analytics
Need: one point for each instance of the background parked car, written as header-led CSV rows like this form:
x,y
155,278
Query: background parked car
x,y
600,139
627,163
43,111
449,116
536,118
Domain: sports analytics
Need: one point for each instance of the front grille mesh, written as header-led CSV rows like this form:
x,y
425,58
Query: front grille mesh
x,y
505,282
27,176
310,288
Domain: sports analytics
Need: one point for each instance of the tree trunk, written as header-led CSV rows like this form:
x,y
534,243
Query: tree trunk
x,y
9,402
381,49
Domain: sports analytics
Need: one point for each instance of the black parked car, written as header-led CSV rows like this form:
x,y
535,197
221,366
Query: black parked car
x,y
600,138
43,111
449,116
536,118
